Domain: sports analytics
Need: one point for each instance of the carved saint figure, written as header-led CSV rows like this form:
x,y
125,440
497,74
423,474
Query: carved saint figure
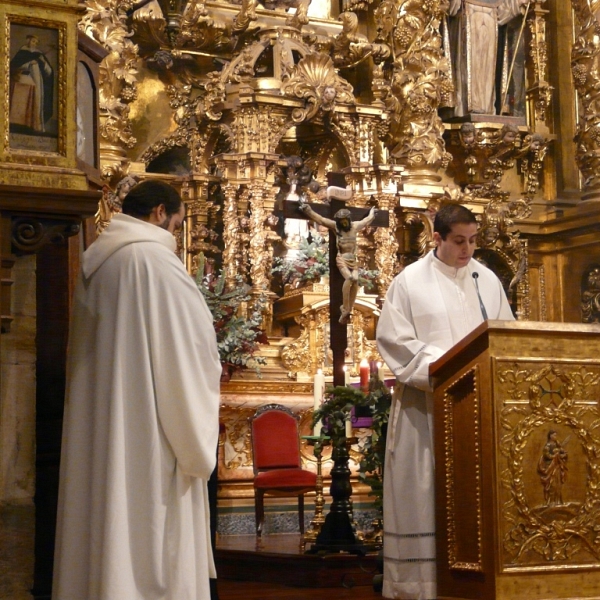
x,y
552,469
346,232
475,42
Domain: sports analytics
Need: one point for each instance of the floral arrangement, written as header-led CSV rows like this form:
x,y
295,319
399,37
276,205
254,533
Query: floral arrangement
x,y
312,262
238,336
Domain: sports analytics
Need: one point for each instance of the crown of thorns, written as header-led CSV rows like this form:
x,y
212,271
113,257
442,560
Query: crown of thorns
x,y
343,213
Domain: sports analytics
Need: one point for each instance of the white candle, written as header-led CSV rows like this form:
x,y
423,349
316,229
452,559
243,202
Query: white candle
x,y
317,429
348,428
380,373
318,393
318,388
346,376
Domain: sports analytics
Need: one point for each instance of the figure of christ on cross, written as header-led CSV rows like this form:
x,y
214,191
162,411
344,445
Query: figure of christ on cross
x,y
355,218
346,260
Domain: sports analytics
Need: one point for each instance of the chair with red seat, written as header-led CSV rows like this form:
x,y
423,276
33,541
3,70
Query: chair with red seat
x,y
276,458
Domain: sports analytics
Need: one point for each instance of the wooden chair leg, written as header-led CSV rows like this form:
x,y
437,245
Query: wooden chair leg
x,y
301,512
259,510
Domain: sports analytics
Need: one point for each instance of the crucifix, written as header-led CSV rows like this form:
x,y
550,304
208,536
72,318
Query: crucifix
x,y
337,532
344,222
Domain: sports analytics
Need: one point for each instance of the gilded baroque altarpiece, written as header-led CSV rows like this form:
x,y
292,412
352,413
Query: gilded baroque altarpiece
x,y
219,97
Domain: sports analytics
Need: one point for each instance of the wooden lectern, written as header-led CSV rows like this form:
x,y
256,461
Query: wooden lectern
x,y
517,450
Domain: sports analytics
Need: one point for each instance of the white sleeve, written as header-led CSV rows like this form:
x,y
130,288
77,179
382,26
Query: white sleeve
x,y
406,356
187,371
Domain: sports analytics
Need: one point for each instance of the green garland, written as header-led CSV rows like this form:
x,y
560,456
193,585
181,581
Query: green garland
x,y
334,411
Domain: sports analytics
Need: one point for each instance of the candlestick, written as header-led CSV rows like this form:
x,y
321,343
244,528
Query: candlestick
x,y
318,392
364,375
380,373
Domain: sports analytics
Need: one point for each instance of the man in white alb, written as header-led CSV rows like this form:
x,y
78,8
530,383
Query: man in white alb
x,y
430,306
141,417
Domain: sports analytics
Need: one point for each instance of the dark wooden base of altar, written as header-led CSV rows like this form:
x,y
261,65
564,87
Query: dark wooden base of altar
x,y
280,558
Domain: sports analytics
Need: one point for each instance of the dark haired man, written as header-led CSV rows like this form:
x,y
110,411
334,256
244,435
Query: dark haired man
x,y
346,232
430,306
141,416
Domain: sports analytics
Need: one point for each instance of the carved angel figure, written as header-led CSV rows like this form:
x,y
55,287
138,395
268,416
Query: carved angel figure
x,y
316,80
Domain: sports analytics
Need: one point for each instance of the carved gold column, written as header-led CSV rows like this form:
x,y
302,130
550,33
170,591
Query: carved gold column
x,y
231,232
420,84
107,24
540,94
260,252
386,244
585,60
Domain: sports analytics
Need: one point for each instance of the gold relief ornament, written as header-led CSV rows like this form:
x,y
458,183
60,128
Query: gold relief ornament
x,y
200,32
316,81
112,202
420,82
538,50
590,295
106,22
247,15
296,356
235,441
549,495
300,17
585,61
351,47
386,245
532,154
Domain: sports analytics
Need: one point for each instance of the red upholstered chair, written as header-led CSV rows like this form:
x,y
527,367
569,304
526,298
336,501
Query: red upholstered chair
x,y
276,458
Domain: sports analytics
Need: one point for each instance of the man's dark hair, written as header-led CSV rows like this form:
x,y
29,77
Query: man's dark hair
x,y
450,215
143,197
339,216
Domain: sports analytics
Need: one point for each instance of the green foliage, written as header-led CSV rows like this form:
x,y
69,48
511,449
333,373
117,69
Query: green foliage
x,y
373,459
309,264
238,336
312,262
337,407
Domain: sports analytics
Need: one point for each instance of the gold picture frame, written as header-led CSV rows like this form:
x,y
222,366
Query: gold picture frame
x,y
34,82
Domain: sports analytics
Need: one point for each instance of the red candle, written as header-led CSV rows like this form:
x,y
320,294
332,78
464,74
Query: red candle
x,y
364,375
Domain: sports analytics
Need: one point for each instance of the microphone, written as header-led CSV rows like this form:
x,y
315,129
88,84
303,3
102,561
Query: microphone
x,y
481,305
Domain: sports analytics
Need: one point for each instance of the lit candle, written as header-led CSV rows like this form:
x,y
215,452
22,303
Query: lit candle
x,y
318,392
346,376
318,388
380,373
317,429
364,375
348,427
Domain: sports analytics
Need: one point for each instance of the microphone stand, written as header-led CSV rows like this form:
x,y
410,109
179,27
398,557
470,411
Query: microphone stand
x,y
475,276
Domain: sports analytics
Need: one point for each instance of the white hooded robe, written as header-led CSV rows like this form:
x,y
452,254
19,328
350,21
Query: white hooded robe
x,y
429,307
140,425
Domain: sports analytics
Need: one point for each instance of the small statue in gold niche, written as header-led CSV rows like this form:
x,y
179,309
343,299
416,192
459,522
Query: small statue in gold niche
x,y
590,296
552,469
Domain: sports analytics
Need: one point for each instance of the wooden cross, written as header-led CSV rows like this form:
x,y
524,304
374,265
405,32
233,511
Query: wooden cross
x,y
338,331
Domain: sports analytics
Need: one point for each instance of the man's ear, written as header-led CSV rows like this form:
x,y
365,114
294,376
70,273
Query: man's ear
x,y
437,238
158,214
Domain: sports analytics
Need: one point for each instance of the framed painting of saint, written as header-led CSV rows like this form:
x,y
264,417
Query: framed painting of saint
x,y
34,73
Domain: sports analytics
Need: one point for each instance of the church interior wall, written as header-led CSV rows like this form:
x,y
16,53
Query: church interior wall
x,y
17,395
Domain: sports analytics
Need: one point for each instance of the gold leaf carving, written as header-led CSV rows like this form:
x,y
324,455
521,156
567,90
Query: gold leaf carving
x,y
550,471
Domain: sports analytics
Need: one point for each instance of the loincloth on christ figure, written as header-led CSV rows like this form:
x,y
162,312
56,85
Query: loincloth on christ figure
x,y
347,261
